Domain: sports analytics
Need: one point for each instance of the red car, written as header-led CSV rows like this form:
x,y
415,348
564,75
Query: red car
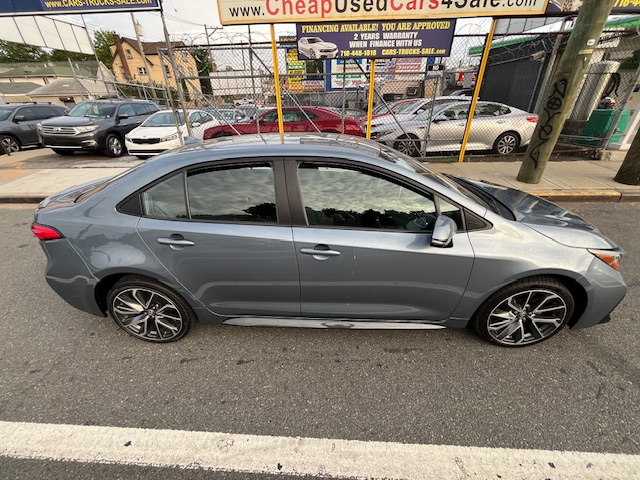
x,y
294,120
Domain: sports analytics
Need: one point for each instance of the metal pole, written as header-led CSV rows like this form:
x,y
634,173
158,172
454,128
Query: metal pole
x,y
344,92
175,72
476,92
276,75
372,92
176,117
427,131
95,54
144,58
253,80
614,125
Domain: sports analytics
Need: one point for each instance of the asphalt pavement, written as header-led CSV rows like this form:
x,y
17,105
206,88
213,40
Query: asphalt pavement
x,y
31,175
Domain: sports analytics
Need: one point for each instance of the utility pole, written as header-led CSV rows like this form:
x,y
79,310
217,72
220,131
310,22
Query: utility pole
x,y
564,87
629,172
137,28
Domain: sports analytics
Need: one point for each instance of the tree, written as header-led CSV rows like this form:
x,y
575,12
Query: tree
x,y
63,56
102,40
205,67
16,52
629,172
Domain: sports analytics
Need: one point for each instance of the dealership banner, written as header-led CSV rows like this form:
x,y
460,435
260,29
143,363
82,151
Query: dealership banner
x,y
560,8
242,12
375,39
56,7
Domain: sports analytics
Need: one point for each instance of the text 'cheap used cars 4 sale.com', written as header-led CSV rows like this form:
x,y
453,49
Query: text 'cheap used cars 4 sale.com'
x,y
277,11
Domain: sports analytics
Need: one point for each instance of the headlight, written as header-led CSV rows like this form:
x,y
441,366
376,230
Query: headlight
x,y
609,257
87,128
168,138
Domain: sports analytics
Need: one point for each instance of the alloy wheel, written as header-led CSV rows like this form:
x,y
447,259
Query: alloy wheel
x,y
407,146
147,314
527,317
115,146
11,145
507,144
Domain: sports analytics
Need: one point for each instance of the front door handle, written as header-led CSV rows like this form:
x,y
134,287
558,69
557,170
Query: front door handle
x,y
176,241
320,252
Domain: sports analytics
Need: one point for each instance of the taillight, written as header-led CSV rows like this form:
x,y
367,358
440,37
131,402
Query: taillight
x,y
45,233
533,119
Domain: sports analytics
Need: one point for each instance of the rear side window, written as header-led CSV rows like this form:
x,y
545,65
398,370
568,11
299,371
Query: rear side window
x,y
126,110
243,194
140,108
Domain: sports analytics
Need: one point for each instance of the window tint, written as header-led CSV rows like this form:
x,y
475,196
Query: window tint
x,y
27,113
196,117
491,110
270,117
235,194
140,108
42,112
166,199
341,197
126,110
458,112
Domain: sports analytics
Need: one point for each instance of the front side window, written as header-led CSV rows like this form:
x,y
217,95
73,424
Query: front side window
x,y
341,197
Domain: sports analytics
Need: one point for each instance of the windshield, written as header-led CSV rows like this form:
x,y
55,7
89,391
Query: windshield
x,y
163,119
407,107
313,40
93,110
5,113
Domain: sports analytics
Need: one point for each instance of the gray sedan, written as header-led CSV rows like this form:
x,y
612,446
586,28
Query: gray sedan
x,y
497,127
325,231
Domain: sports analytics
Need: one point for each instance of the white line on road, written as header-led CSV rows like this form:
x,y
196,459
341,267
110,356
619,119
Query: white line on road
x,y
301,456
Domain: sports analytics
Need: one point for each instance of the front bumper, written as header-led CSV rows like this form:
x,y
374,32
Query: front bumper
x,y
150,148
85,141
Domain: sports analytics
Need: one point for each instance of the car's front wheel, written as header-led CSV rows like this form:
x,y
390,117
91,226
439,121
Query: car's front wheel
x,y
148,310
11,144
524,313
113,146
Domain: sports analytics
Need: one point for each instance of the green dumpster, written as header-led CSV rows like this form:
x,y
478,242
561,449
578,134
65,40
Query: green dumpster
x,y
622,126
598,125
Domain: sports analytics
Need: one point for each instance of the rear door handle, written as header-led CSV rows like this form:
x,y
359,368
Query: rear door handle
x,y
176,242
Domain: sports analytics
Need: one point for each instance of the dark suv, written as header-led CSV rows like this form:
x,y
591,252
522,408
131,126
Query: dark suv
x,y
95,125
18,123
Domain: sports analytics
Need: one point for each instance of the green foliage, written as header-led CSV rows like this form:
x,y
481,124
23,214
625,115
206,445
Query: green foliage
x,y
16,52
102,40
205,67
63,56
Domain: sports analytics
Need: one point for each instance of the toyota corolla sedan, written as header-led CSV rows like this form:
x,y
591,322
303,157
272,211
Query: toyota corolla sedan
x,y
326,231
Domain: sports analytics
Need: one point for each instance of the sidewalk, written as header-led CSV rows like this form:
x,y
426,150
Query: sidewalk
x,y
26,178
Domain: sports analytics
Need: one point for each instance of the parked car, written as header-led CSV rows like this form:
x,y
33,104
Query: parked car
x,y
497,127
227,115
326,231
95,125
18,122
316,48
159,133
304,119
465,92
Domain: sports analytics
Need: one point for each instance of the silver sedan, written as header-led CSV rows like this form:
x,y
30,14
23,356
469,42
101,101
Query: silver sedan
x,y
496,127
324,231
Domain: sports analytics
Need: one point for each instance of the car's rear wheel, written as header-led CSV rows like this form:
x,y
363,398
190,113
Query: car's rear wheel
x,y
526,312
409,145
507,143
11,144
60,151
148,310
113,146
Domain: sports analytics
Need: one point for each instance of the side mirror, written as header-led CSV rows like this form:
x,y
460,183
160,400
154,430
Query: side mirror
x,y
122,116
195,124
443,232
18,118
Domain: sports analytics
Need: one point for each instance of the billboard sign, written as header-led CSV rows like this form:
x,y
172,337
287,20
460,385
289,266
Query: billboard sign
x,y
561,8
10,8
375,39
243,12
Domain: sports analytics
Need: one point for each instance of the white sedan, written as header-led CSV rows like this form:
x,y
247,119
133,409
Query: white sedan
x,y
159,132
316,48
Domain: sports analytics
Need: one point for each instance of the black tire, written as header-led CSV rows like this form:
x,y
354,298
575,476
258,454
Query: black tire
x,y
148,310
408,144
507,143
143,157
113,146
514,316
65,153
11,144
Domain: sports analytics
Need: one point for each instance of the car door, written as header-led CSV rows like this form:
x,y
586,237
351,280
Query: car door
x,y
24,125
269,122
132,120
488,123
363,245
447,128
230,242
298,121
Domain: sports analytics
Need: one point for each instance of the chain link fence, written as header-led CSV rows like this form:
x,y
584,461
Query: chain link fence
x,y
421,105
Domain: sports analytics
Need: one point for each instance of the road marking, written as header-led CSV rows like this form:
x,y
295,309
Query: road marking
x,y
301,456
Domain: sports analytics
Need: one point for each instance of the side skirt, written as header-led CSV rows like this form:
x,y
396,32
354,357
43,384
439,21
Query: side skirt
x,y
328,323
